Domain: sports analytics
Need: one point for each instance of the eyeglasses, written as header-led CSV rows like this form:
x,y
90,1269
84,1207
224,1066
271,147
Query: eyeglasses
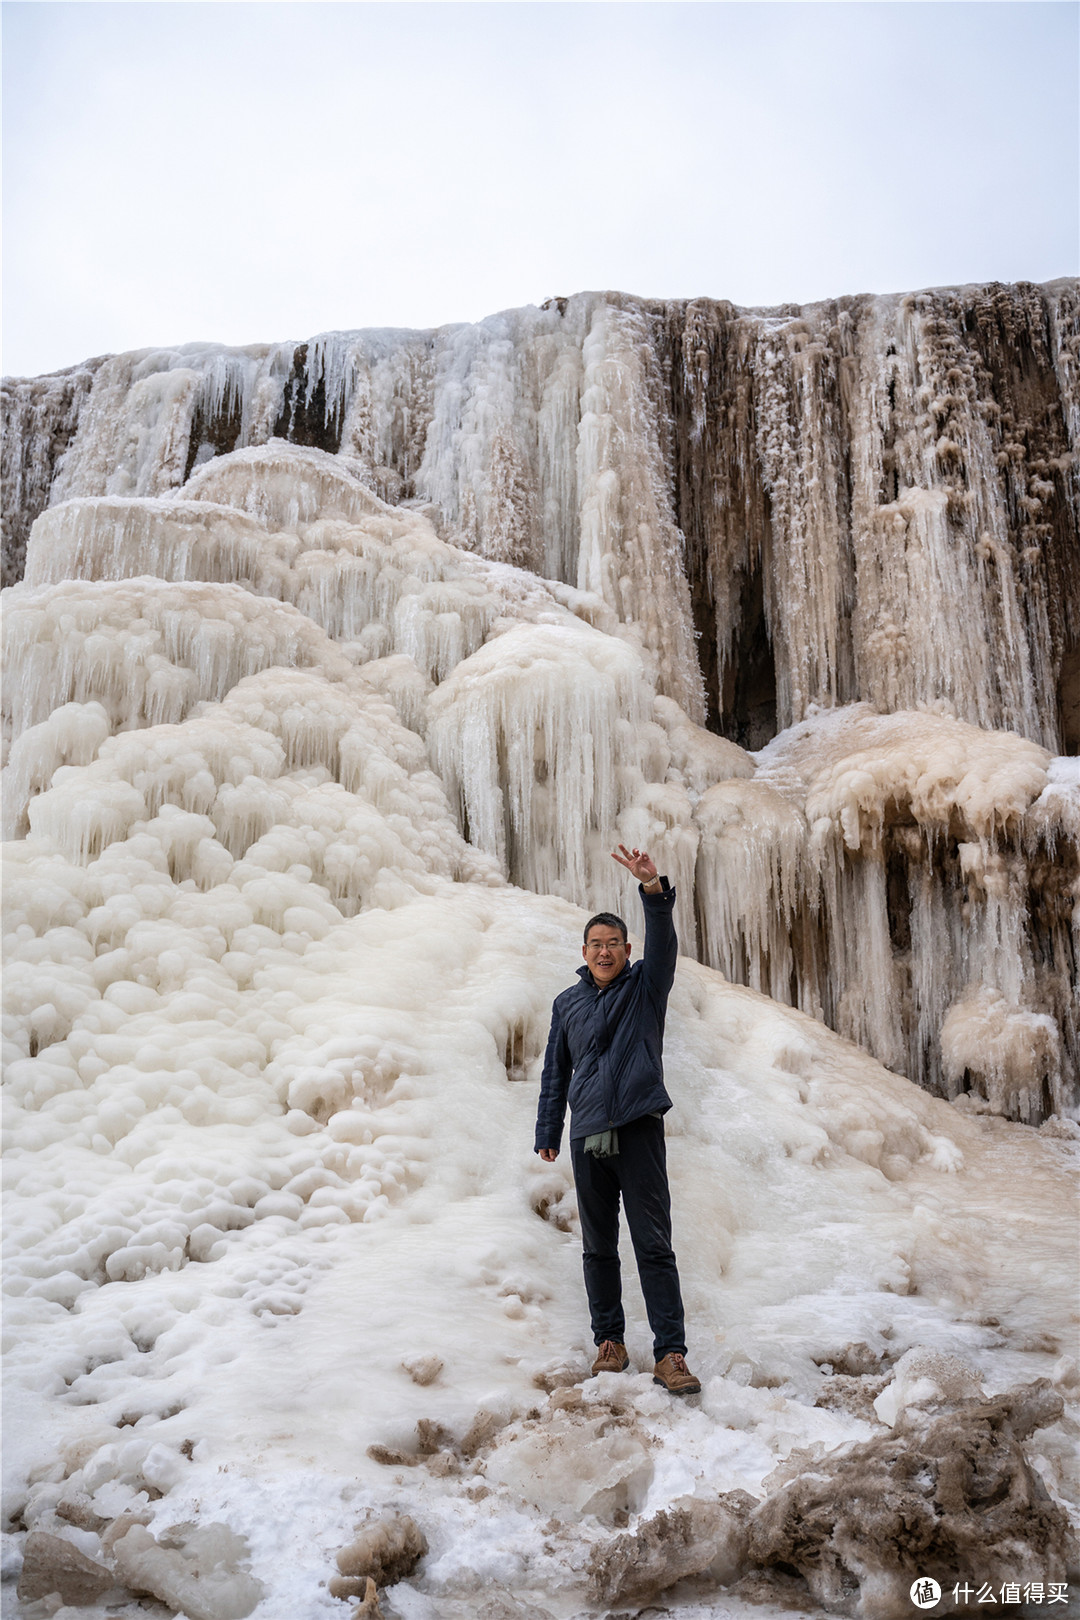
x,y
606,945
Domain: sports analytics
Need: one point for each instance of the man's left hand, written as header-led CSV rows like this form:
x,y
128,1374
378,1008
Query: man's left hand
x,y
637,862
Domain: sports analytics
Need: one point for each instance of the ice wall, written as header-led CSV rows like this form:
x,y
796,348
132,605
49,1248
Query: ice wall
x,y
40,417
561,539
909,878
780,499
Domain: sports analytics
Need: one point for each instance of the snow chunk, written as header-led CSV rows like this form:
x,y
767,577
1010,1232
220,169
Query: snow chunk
x,y
193,1568
584,1465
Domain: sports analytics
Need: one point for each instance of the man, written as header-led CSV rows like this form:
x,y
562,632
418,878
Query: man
x,y
604,1058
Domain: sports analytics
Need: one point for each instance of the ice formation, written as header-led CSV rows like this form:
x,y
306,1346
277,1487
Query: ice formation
x,y
785,513
957,1498
334,674
797,488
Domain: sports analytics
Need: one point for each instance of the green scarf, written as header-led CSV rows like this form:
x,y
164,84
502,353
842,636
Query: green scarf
x,y
604,1145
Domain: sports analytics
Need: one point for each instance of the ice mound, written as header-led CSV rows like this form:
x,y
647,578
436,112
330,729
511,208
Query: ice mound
x,y
923,1377
1008,1049
196,1568
283,485
574,1464
73,643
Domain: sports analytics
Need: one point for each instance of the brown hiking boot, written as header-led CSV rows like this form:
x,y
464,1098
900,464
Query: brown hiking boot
x,y
671,1371
610,1357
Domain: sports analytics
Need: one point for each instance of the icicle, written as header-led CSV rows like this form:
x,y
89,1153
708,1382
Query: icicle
x,y
531,736
146,650
810,584
630,546
752,879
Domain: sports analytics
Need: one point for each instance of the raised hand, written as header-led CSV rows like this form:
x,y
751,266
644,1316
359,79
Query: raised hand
x,y
637,862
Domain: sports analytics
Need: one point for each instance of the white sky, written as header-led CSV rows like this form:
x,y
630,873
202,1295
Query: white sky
x,y
250,172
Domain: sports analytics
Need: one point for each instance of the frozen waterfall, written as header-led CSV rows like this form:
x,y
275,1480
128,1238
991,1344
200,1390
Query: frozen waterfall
x,y
333,670
797,518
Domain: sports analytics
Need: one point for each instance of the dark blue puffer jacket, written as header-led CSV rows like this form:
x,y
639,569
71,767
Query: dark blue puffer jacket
x,y
604,1050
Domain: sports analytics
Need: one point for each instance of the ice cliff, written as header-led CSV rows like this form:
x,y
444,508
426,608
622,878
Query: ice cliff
x,y
816,571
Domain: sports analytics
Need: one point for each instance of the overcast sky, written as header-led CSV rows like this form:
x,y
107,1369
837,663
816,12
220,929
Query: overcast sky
x,y
256,171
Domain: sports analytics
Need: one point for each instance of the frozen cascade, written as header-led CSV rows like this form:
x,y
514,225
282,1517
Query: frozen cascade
x,y
377,579
912,841
40,418
542,769
935,859
326,655
796,488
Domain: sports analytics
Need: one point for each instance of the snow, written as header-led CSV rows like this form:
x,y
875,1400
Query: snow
x,y
194,1267
281,1279
307,804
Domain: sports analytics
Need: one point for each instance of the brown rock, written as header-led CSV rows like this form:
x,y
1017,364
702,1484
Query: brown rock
x,y
348,1586
423,1370
480,1433
432,1437
392,1457
77,1510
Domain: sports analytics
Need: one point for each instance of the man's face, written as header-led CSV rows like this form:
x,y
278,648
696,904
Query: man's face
x,y
606,953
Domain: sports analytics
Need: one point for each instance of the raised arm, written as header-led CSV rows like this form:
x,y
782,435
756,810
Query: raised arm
x,y
658,900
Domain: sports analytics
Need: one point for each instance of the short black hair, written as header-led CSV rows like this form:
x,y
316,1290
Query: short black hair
x,y
609,920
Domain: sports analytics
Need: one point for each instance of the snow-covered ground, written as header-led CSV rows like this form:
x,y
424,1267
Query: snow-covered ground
x,y
219,1296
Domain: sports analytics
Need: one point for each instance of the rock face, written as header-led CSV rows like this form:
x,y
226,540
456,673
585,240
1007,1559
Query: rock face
x,y
40,419
594,553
